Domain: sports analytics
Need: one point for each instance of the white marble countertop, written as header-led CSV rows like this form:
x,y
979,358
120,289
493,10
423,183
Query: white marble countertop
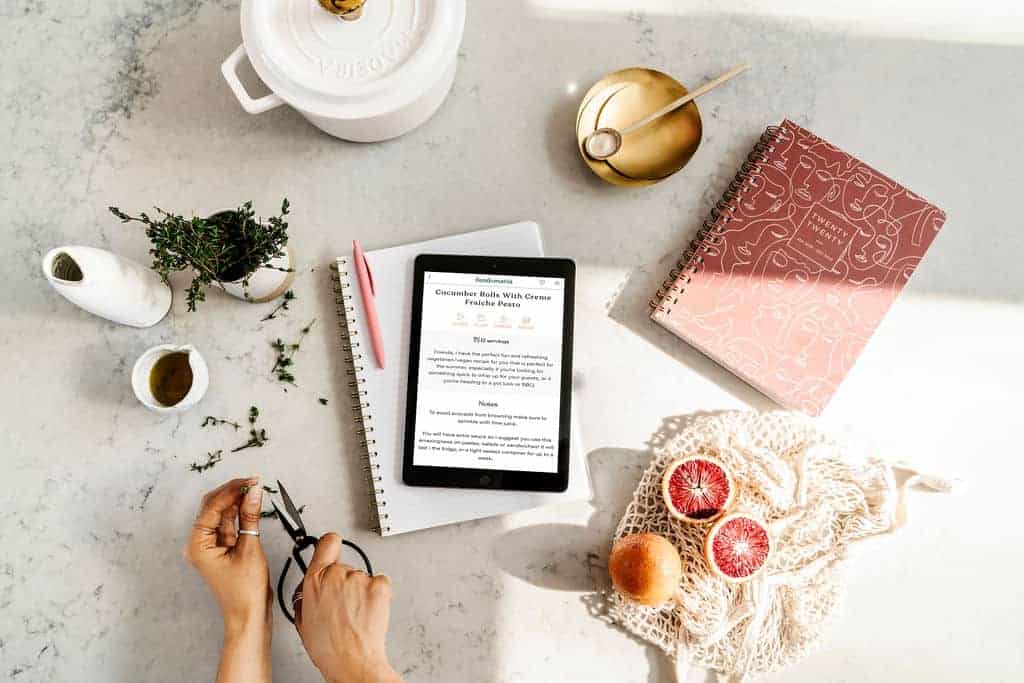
x,y
123,103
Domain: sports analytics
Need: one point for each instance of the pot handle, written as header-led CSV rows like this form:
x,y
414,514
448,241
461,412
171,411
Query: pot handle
x,y
253,106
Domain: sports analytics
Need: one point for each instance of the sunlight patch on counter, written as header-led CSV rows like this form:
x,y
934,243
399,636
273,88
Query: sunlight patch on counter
x,y
995,22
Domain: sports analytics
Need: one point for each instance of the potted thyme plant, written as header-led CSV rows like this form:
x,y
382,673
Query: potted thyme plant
x,y
247,257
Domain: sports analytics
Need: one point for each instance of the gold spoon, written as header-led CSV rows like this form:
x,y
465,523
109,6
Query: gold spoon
x,y
605,142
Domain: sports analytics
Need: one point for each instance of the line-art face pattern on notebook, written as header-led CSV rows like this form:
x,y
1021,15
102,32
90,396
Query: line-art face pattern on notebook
x,y
797,266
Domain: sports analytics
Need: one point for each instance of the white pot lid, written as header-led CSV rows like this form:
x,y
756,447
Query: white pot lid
x,y
384,60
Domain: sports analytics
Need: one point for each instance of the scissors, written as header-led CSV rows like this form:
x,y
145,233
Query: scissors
x,y
292,523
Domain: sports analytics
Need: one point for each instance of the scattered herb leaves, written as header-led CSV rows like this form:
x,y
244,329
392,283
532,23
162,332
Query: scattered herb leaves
x,y
323,401
283,306
210,420
272,514
284,362
212,458
257,437
269,489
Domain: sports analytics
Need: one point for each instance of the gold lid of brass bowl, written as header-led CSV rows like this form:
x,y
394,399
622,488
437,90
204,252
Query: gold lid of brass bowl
x,y
651,153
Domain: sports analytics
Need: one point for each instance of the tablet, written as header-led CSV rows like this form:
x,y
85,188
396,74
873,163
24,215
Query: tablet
x,y
490,373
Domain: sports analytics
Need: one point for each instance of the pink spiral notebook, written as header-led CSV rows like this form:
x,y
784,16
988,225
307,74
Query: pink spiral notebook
x,y
796,266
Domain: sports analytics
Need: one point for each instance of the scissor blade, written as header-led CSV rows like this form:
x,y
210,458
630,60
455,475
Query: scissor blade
x,y
293,513
286,521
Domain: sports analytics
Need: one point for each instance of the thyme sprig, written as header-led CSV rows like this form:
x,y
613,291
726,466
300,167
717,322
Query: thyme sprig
x,y
226,247
210,420
285,360
272,514
289,296
257,437
246,487
212,458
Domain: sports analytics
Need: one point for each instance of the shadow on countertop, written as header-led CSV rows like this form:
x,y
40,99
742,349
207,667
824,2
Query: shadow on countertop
x,y
569,557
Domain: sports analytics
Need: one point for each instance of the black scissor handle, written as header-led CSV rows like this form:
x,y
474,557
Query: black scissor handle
x,y
300,545
362,556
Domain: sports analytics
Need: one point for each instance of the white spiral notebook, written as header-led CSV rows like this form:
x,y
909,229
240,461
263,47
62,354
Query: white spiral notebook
x,y
379,395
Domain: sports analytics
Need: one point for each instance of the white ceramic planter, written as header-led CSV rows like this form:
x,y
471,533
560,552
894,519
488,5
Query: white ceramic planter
x,y
372,78
266,284
144,366
108,285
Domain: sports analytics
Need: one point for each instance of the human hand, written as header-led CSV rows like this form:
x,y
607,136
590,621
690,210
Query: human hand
x,y
232,564
342,617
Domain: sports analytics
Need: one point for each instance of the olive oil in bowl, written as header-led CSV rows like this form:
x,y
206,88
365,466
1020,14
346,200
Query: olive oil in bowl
x,y
171,379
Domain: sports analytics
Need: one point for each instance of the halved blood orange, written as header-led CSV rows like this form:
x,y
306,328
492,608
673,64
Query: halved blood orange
x,y
696,489
737,547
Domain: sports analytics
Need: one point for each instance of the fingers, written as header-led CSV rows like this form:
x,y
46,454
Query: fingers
x,y
249,515
380,587
227,532
211,511
326,553
216,502
297,604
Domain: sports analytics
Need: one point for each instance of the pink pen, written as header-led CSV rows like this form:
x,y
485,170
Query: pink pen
x,y
369,301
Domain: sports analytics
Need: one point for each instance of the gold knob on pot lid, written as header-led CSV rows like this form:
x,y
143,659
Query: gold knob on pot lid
x,y
346,9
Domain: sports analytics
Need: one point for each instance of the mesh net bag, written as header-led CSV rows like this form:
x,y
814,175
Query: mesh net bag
x,y
816,497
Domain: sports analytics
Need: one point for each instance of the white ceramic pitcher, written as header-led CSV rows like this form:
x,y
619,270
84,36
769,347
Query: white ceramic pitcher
x,y
144,368
108,285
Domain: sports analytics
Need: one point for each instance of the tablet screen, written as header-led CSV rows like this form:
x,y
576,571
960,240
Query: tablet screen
x,y
490,372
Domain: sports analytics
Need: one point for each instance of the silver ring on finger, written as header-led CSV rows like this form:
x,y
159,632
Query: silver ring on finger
x,y
249,532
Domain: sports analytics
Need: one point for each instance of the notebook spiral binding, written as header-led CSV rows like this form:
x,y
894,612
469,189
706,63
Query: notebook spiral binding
x,y
342,285
710,231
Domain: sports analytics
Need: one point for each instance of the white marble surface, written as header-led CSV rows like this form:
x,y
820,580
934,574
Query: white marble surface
x,y
122,103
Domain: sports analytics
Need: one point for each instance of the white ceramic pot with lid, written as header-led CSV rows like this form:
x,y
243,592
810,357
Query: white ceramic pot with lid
x,y
372,75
